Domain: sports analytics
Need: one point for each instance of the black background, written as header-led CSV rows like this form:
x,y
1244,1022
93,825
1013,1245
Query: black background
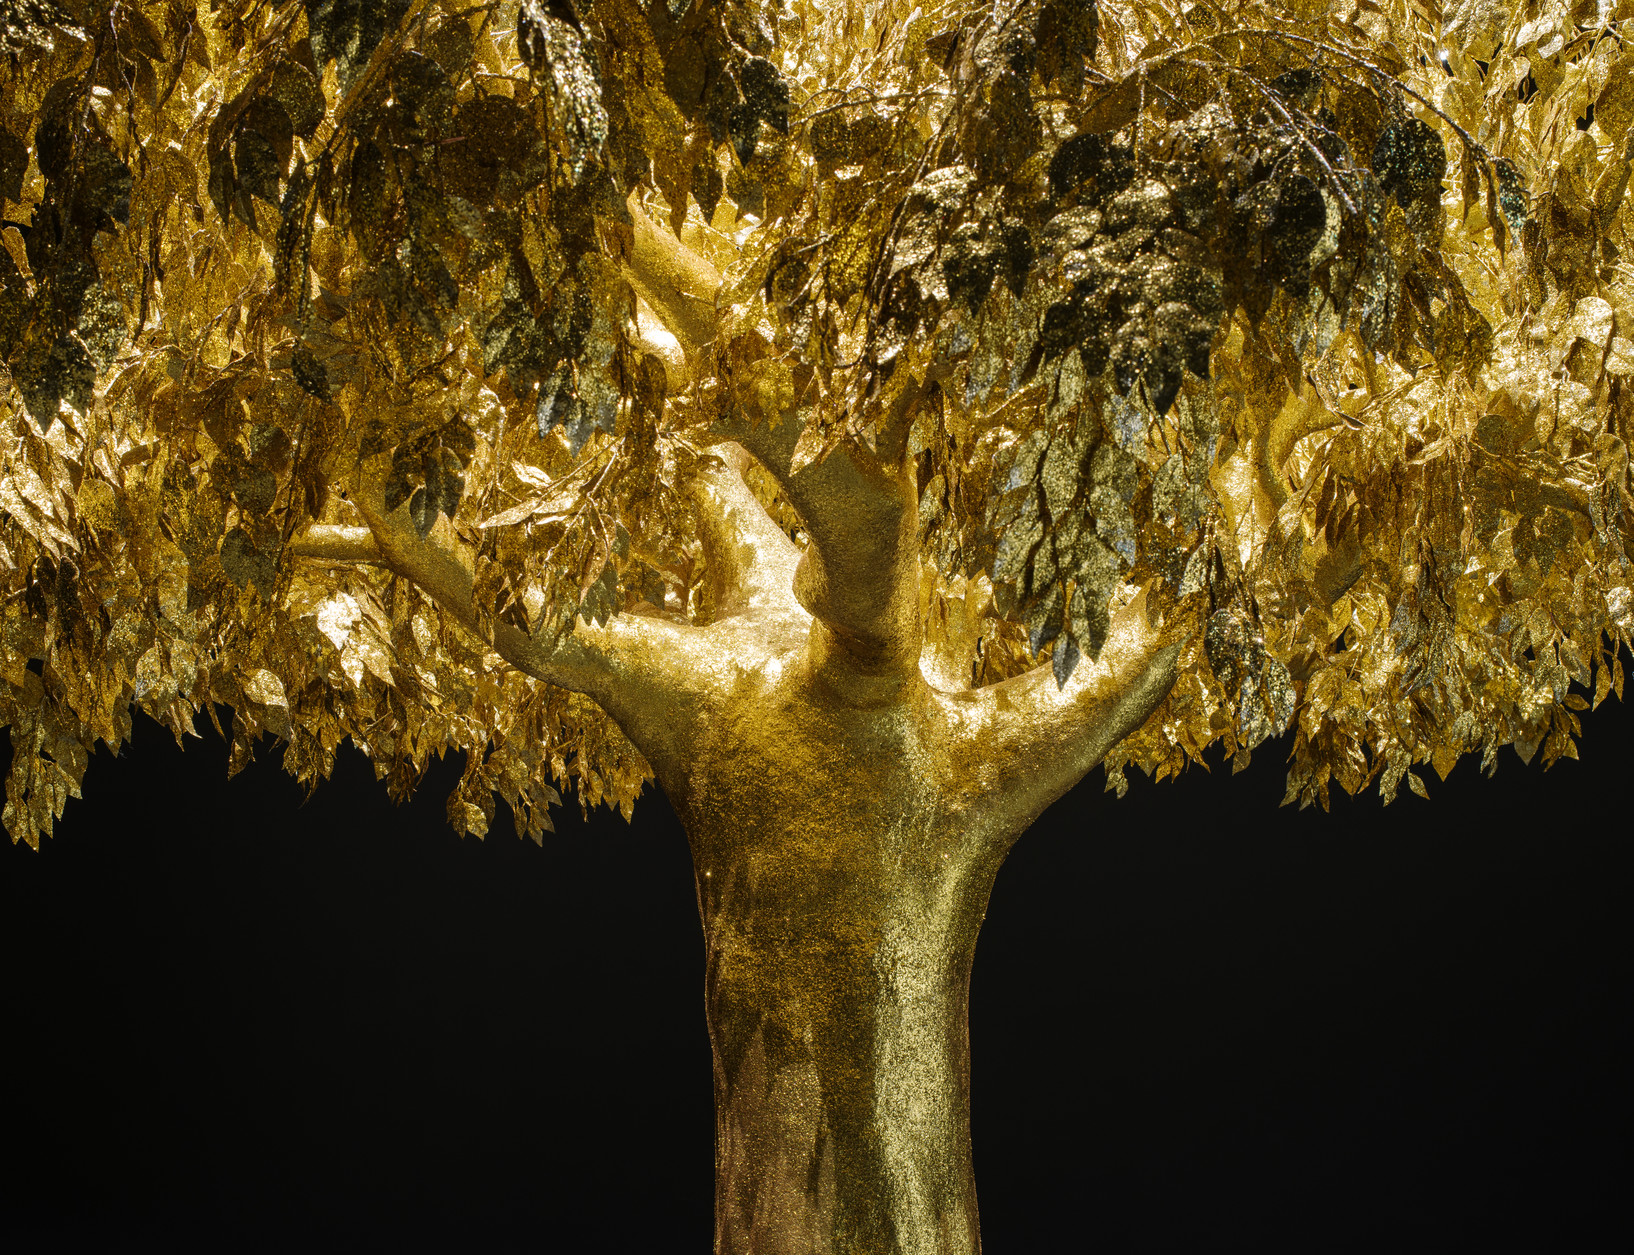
x,y
234,1022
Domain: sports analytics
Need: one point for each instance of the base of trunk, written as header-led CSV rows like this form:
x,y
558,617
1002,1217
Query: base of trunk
x,y
843,1116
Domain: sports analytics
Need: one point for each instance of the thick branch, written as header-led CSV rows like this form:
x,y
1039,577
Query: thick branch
x,y
860,575
649,675
677,283
1023,743
751,561
330,543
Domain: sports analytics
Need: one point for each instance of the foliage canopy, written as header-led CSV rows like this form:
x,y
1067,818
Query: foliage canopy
x,y
1309,319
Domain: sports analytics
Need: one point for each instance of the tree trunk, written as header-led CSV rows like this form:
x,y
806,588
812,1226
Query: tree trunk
x,y
841,892
847,821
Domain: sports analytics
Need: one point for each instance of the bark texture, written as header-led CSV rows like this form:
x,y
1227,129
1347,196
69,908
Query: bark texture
x,y
844,852
841,897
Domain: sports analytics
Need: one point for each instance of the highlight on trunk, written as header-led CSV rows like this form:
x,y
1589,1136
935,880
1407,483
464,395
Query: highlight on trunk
x,y
861,419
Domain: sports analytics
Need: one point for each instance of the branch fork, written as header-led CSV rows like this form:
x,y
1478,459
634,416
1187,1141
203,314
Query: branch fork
x,y
842,617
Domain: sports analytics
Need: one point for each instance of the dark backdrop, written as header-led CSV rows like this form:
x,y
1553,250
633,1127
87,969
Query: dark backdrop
x,y
234,1022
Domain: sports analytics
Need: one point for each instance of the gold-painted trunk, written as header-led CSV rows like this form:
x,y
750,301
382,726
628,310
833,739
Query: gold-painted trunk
x,y
841,898
847,821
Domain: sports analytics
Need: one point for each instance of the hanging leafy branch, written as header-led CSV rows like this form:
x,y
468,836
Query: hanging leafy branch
x,y
1312,321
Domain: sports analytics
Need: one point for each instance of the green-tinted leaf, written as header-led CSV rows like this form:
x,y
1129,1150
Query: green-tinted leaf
x,y
257,166
1065,660
247,564
298,92
13,166
348,32
398,489
423,507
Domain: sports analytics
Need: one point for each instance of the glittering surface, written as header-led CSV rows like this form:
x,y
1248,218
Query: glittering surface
x,y
847,820
861,416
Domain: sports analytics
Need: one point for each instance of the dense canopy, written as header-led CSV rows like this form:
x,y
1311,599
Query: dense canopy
x,y
1308,319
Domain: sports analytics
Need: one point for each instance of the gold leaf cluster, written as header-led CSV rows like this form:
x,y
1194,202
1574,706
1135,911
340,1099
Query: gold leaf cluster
x,y
1310,319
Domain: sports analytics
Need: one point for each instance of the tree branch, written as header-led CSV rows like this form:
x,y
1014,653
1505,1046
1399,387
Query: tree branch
x,y
651,676
678,284
653,338
751,561
330,543
1019,745
859,577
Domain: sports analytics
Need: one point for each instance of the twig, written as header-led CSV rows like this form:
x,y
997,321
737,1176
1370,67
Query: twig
x,y
1321,157
1378,71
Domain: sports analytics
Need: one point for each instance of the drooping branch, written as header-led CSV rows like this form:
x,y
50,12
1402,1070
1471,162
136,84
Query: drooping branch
x,y
442,577
1274,439
1254,495
1020,744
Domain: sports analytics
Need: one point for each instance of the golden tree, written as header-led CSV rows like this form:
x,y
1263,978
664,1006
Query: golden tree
x,y
860,418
